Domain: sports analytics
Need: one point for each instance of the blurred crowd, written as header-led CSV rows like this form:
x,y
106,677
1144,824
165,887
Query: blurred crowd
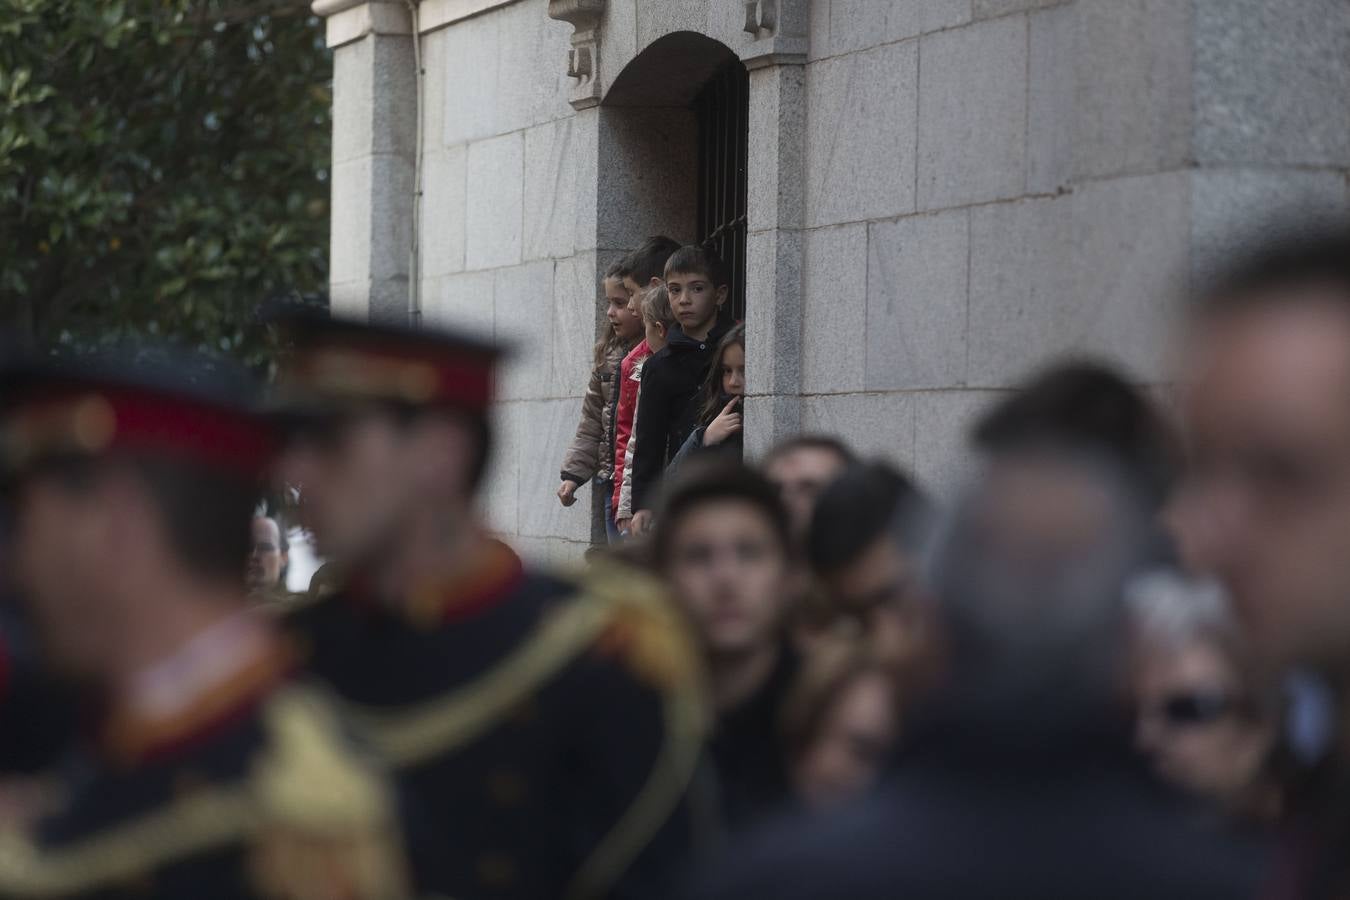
x,y
1114,664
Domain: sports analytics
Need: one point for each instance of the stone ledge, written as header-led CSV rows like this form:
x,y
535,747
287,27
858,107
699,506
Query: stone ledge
x,y
349,21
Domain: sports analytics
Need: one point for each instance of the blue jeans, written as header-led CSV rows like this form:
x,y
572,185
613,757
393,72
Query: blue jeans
x,y
605,488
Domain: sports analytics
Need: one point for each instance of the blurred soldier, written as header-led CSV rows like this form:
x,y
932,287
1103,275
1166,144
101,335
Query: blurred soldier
x,y
1017,779
1267,508
210,772
547,728
265,575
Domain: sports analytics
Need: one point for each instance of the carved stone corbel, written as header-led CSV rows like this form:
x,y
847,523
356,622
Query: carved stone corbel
x,y
761,17
583,61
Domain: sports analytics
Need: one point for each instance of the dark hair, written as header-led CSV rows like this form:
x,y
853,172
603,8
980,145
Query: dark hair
x,y
713,480
206,513
616,270
711,404
693,260
828,443
649,260
866,501
1266,274
1087,407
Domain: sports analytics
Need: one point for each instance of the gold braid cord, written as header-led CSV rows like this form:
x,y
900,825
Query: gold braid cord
x,y
317,822
616,607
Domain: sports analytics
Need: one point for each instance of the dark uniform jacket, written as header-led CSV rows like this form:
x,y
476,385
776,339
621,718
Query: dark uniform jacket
x,y
253,787
543,731
1052,808
666,411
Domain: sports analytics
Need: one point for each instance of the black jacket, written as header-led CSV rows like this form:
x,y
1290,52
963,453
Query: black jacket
x,y
1002,806
666,412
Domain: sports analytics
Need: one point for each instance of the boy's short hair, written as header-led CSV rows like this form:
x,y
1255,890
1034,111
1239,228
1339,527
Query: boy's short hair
x,y
867,501
649,260
694,260
656,308
700,482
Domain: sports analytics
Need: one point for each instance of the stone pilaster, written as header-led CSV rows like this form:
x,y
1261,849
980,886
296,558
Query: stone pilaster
x,y
374,149
776,216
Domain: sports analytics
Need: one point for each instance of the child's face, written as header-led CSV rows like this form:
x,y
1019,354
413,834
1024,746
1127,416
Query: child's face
x,y
626,324
633,289
694,298
733,371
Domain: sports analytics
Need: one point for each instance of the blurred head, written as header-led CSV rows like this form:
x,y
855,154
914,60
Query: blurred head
x,y
1267,409
865,543
96,538
801,468
1086,407
268,556
1028,577
1202,720
722,542
842,721
370,476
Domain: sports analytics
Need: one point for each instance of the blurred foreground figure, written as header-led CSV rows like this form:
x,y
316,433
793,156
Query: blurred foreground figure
x,y
1017,779
866,538
722,542
1267,508
841,721
210,773
1206,719
544,730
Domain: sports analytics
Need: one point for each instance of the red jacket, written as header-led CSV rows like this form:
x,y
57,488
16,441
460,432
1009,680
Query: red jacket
x,y
623,419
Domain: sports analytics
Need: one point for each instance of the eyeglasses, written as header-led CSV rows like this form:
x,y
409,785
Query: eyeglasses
x,y
1196,708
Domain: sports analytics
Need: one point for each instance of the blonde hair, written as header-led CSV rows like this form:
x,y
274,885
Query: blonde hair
x,y
656,308
830,672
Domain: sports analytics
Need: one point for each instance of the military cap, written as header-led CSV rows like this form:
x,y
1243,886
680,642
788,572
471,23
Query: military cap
x,y
338,363
142,400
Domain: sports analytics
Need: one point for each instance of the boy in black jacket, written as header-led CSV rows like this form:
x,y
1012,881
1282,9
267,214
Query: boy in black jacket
x,y
698,284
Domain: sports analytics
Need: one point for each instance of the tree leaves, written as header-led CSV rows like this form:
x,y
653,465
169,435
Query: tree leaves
x,y
163,167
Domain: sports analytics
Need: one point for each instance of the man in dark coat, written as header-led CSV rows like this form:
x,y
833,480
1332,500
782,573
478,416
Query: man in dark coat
x,y
543,729
1016,778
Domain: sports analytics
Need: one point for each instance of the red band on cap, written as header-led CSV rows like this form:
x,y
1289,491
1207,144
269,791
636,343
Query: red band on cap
x,y
96,420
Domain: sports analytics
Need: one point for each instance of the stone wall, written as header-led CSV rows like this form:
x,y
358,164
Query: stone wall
x,y
944,194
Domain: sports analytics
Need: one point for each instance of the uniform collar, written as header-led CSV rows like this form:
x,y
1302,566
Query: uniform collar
x,y
494,573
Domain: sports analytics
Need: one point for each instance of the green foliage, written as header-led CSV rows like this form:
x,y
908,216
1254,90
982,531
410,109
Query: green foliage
x,y
163,167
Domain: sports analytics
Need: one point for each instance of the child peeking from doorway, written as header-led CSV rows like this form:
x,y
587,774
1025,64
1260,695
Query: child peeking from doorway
x,y
698,284
658,320
591,454
720,400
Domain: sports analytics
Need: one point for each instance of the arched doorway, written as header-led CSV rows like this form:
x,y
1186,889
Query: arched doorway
x,y
673,151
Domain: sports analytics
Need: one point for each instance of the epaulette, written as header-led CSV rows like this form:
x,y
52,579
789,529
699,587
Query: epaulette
x,y
322,808
652,640
310,808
